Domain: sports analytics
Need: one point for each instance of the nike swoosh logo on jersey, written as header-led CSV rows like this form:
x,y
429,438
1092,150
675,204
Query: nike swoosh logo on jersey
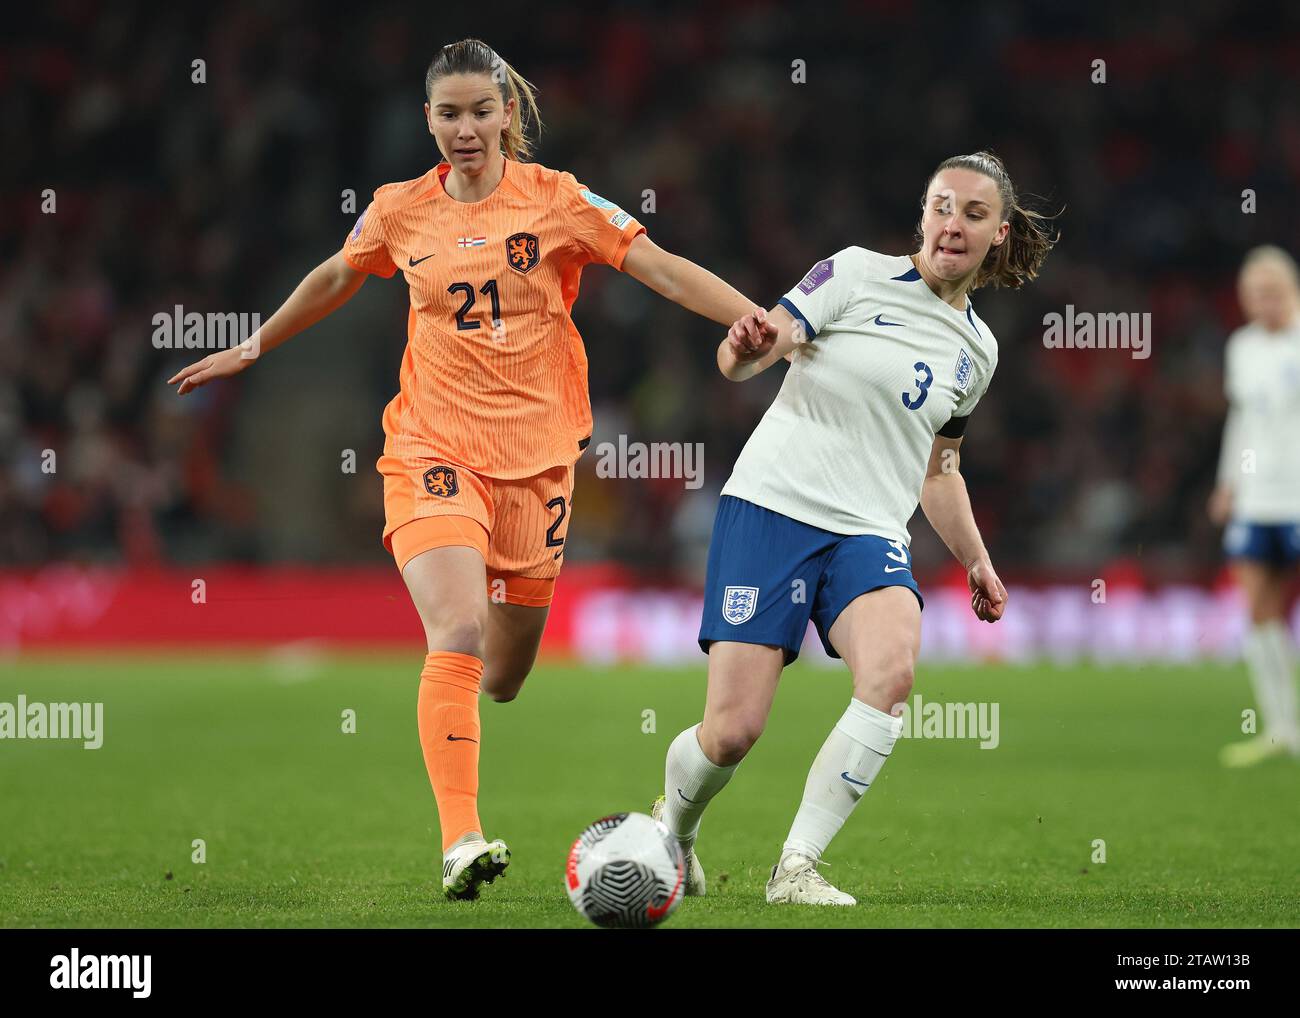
x,y
460,738
864,784
691,801
896,569
416,261
878,321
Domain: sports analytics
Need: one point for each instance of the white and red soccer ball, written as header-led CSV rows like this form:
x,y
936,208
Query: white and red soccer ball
x,y
625,870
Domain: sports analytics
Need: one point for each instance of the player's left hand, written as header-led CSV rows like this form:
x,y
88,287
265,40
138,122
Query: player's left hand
x,y
988,597
752,336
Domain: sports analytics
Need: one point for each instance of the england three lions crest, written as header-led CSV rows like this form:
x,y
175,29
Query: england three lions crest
x,y
738,604
962,371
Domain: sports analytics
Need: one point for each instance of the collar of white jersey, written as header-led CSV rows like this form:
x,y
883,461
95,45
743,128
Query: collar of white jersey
x,y
913,275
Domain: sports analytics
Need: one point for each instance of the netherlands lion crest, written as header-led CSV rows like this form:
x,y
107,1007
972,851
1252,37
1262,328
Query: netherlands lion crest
x,y
522,251
738,604
441,481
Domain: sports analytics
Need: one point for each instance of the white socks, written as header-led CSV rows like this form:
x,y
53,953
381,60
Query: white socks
x,y
848,763
1268,660
691,779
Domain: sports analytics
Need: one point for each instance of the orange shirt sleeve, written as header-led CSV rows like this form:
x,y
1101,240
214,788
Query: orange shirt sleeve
x,y
366,248
601,231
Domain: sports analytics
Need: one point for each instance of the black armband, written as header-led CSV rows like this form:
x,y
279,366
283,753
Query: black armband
x,y
955,428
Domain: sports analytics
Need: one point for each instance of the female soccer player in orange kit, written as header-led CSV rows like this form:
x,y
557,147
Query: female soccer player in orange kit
x,y
493,409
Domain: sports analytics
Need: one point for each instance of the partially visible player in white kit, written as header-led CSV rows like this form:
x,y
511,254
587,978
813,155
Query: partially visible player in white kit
x,y
1258,490
888,360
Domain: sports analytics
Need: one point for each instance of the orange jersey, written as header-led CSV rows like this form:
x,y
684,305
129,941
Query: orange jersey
x,y
494,377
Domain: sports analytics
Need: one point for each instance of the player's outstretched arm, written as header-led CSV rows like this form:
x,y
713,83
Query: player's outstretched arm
x,y
755,342
683,282
946,505
325,289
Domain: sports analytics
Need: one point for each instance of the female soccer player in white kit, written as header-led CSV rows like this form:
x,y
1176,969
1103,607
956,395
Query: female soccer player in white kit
x,y
888,359
1258,489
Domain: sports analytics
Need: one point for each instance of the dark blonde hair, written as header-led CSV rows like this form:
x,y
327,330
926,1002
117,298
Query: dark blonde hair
x,y
1271,254
473,56
1018,259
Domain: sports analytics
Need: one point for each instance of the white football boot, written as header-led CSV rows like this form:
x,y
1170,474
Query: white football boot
x,y
694,871
795,881
1250,752
470,862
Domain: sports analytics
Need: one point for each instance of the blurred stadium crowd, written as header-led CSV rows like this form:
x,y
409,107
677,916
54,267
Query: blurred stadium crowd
x,y
220,196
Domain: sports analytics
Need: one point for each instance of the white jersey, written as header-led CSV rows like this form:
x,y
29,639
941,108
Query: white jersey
x,y
1260,456
887,364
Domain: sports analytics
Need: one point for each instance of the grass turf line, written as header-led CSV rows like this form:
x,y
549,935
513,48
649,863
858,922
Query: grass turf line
x,y
307,826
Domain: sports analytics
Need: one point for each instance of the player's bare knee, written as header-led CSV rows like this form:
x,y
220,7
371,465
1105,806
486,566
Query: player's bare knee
x,y
731,740
886,681
1268,609
727,751
457,635
502,688
501,694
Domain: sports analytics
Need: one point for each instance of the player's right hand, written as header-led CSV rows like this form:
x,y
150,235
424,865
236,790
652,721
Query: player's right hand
x,y
988,597
751,336
1219,507
217,365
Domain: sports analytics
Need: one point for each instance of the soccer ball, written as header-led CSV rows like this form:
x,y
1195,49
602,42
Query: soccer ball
x,y
625,870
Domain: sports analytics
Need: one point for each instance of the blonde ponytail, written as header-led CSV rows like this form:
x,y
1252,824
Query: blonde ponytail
x,y
527,118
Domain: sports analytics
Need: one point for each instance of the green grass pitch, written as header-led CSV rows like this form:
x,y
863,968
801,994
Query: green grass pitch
x,y
307,826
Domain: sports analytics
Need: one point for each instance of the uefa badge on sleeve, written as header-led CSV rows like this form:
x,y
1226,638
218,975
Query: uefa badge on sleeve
x,y
817,275
738,604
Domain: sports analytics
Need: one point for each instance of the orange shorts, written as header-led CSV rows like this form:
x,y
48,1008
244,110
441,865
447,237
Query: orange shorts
x,y
517,526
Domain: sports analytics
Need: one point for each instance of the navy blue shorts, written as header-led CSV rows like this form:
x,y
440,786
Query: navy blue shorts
x,y
769,574
1277,544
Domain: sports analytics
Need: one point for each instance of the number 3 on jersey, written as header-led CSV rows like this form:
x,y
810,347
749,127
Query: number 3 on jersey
x,y
924,376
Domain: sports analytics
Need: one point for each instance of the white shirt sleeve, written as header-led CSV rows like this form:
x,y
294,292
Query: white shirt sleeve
x,y
824,293
977,390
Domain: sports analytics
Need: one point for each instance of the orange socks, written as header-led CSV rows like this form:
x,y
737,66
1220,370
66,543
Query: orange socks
x,y
449,736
